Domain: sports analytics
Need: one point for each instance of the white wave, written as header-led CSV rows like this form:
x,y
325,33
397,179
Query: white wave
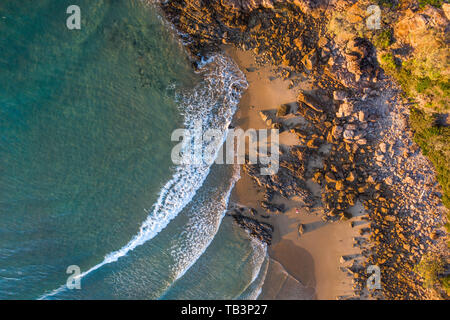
x,y
260,266
259,285
201,228
260,253
211,103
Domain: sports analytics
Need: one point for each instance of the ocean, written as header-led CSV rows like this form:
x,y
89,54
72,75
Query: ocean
x,y
86,176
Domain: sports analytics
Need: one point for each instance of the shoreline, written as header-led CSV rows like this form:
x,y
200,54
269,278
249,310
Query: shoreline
x,y
312,258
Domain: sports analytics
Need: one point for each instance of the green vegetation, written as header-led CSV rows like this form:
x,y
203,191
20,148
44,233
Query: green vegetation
x,y
434,3
422,3
389,64
434,140
424,82
429,268
424,78
445,282
427,85
418,59
424,75
383,39
387,3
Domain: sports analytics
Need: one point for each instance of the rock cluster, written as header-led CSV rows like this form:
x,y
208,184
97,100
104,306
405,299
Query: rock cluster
x,y
357,125
288,182
260,230
277,30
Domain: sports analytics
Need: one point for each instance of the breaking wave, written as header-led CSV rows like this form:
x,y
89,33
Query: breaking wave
x,y
204,222
212,104
260,262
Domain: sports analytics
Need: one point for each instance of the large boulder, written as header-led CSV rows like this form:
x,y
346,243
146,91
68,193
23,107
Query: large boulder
x,y
345,110
361,58
446,9
264,116
307,6
283,110
310,101
310,60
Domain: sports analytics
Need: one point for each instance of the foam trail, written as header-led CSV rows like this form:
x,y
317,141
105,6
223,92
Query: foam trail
x,y
212,104
257,284
260,263
202,228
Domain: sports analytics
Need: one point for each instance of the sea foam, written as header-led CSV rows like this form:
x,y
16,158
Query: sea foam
x,y
212,103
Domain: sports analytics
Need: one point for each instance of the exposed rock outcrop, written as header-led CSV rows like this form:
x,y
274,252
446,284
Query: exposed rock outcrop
x,y
353,109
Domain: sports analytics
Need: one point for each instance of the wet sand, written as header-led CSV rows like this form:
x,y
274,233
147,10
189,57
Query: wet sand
x,y
302,266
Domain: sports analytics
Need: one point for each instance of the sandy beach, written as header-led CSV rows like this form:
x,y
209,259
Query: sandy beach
x,y
302,266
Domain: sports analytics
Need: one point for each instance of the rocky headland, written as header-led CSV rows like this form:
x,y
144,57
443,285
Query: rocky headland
x,y
355,143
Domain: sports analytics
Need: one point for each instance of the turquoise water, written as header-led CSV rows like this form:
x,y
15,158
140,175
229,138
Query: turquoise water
x,y
86,179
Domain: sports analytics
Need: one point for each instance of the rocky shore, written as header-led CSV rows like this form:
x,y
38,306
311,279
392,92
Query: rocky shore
x,y
355,144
